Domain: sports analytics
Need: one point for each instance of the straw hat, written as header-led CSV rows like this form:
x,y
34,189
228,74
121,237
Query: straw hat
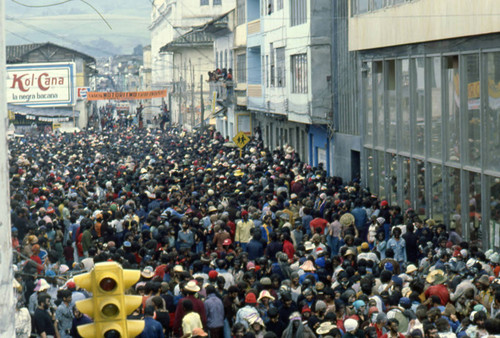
x,y
308,266
191,286
178,268
41,285
309,246
411,268
148,272
265,294
325,327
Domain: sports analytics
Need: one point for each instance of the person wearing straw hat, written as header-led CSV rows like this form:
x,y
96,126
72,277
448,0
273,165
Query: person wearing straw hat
x,y
325,328
437,278
265,304
309,270
190,289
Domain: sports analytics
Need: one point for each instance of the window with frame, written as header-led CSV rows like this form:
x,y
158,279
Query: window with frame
x,y
279,4
240,12
270,7
204,2
217,2
298,12
241,68
271,66
299,73
280,67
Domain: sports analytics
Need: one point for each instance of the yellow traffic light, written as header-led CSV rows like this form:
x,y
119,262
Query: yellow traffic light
x,y
109,306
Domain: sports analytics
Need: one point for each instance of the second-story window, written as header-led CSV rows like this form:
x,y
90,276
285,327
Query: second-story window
x,y
299,73
279,4
217,2
204,2
280,67
240,12
241,68
298,12
272,66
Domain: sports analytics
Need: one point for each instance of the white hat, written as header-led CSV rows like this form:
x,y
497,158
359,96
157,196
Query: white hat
x,y
350,325
192,286
41,285
470,263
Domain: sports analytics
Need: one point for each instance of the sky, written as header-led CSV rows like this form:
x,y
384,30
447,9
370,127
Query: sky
x,y
76,24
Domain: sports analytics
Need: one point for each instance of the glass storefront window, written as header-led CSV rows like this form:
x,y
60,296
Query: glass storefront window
x,y
453,109
492,113
454,191
437,211
494,235
419,104
391,97
382,175
407,182
405,105
421,198
435,105
368,103
472,117
379,89
393,184
474,197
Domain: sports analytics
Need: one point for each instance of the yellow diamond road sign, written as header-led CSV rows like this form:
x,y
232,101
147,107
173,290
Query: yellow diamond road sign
x,y
241,139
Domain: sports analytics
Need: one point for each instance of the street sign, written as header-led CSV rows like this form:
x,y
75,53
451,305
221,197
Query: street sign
x,y
241,139
82,92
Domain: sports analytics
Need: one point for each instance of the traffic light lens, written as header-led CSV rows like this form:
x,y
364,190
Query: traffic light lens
x,y
110,310
112,334
107,284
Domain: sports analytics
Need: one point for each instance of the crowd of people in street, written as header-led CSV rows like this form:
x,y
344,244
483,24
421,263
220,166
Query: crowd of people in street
x,y
261,245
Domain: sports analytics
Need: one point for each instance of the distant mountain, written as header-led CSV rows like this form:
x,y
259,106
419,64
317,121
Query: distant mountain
x,y
76,25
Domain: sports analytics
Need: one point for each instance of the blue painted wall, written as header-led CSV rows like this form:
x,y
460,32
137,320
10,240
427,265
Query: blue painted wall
x,y
318,139
253,10
254,66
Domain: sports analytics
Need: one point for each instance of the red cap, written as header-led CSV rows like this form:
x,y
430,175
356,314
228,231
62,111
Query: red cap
x,y
71,285
250,298
213,274
384,203
306,308
244,213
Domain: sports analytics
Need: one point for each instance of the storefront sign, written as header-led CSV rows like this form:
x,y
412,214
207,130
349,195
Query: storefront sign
x,y
95,96
41,85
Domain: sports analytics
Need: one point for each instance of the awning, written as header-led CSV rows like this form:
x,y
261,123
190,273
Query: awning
x,y
49,112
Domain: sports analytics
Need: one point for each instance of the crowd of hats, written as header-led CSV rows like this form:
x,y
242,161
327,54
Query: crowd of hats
x,y
152,183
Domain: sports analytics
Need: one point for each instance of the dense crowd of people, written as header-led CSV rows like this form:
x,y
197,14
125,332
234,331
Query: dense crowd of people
x,y
261,245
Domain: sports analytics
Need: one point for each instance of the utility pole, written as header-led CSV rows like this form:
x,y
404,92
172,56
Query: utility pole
x,y
202,105
192,96
7,302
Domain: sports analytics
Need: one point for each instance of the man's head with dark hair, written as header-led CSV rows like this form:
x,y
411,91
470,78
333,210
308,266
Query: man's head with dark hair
x,y
187,305
150,310
210,289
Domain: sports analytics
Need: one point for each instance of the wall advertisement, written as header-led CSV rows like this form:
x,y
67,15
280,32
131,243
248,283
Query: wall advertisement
x,y
41,85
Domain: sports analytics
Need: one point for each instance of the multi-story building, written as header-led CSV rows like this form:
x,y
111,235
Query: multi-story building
x,y
288,74
171,19
429,107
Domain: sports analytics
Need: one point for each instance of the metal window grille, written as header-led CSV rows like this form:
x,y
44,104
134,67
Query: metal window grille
x,y
298,13
299,73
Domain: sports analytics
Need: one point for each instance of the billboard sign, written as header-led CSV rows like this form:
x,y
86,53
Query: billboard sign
x,y
41,84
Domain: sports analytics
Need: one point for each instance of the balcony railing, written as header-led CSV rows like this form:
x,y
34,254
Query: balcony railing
x,y
253,27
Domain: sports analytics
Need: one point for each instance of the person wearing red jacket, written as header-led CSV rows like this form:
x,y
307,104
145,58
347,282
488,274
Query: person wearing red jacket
x,y
190,290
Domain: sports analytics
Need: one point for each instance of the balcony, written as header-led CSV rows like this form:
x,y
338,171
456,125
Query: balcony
x,y
224,90
253,27
254,90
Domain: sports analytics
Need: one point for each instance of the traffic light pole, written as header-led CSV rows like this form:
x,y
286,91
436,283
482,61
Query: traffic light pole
x,y
7,303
